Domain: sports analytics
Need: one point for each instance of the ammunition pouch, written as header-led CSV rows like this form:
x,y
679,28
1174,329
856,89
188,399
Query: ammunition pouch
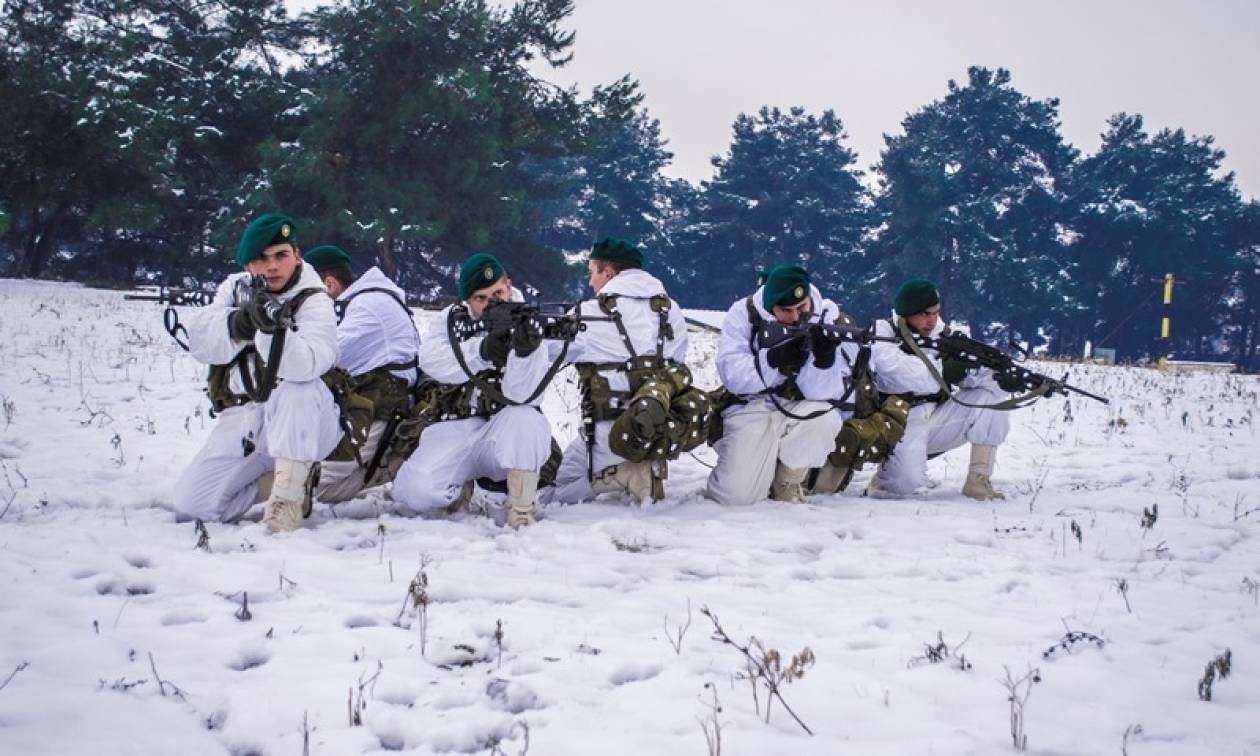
x,y
871,438
357,413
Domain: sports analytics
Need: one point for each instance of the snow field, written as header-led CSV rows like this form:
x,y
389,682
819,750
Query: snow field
x,y
101,411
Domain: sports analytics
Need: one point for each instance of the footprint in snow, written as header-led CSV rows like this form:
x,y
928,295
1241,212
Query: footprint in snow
x,y
248,658
139,561
628,673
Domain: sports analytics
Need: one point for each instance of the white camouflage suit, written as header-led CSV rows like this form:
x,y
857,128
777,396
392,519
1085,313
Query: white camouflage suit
x,y
453,452
374,331
602,342
299,421
756,436
932,428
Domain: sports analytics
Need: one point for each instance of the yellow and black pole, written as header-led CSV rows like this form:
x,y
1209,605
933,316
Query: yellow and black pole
x,y
1165,324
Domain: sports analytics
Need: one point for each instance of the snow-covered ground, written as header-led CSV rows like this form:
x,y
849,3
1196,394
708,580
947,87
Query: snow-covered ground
x,y
103,594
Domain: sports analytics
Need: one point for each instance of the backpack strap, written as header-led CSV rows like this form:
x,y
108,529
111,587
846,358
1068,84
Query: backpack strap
x,y
341,305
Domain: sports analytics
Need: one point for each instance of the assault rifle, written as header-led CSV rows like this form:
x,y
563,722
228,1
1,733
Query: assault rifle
x,y
176,297
957,346
550,319
773,333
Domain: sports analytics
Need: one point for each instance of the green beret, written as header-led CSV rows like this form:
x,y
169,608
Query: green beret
x,y
612,249
785,286
915,296
326,257
479,271
262,232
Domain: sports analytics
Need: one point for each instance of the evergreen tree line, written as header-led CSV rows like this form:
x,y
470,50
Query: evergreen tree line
x,y
141,135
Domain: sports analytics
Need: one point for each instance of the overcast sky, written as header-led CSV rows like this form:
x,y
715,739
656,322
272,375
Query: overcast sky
x,y
1191,64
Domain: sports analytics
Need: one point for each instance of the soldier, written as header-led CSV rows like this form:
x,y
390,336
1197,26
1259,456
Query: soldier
x,y
267,346
782,421
377,347
635,336
491,423
935,424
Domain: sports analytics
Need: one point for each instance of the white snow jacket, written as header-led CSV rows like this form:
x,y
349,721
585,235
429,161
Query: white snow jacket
x,y
897,372
521,375
602,342
374,329
310,350
737,362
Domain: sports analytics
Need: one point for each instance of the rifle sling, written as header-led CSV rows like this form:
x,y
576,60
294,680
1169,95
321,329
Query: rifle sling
x,y
1006,405
490,390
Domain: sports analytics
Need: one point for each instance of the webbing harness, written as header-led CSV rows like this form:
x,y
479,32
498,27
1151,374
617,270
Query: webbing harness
x,y
259,386
788,390
479,380
613,401
341,305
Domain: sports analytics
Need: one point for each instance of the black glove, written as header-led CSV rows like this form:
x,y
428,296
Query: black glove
x,y
954,371
495,346
789,356
241,325
823,346
1011,382
256,308
526,337
648,415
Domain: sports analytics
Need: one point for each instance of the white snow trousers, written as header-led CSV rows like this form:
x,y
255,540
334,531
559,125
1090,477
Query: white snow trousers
x,y
454,452
300,421
756,437
571,483
933,429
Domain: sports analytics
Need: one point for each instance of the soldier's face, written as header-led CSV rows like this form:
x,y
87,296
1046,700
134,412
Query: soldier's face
x,y
277,264
793,314
922,323
600,274
501,291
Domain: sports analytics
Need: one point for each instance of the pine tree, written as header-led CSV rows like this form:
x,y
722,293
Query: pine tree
x,y
424,135
970,197
786,191
1148,206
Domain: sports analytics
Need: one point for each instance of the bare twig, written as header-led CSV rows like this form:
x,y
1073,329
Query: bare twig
x,y
175,690
765,666
675,638
14,673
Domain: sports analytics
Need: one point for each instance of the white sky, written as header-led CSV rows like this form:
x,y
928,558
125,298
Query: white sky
x,y
702,62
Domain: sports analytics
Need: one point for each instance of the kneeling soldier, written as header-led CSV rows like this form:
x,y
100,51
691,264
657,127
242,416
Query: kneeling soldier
x,y
377,346
634,383
936,423
491,423
268,336
782,420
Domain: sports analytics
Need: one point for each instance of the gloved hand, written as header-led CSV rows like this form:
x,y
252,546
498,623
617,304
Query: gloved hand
x,y
256,308
241,325
526,337
954,371
823,346
1010,382
494,347
789,356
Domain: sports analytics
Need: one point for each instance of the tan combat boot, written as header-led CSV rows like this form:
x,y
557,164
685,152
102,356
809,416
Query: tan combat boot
x,y
522,488
290,495
831,479
788,483
637,479
979,483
